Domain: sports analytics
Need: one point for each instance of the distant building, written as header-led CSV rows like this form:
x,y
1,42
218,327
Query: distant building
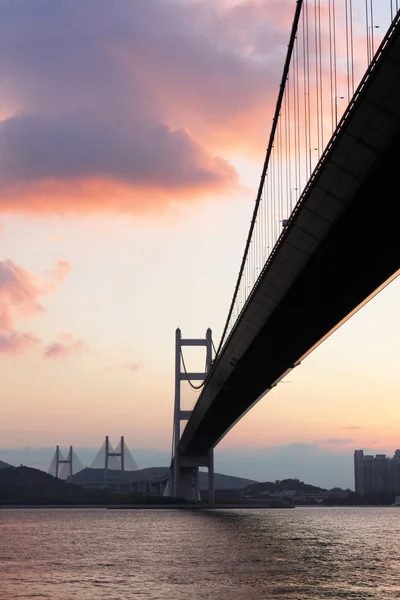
x,y
378,474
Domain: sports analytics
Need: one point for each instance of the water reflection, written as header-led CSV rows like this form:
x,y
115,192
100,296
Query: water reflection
x,y
305,554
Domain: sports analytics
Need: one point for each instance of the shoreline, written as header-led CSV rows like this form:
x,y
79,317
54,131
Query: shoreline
x,y
142,506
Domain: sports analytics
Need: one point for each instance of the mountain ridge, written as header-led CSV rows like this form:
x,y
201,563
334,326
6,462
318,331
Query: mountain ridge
x,y
221,481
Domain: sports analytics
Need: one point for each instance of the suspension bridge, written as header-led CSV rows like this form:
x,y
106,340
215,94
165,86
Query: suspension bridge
x,y
323,238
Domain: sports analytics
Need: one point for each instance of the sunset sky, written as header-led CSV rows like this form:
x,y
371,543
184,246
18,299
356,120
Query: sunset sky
x,y
132,138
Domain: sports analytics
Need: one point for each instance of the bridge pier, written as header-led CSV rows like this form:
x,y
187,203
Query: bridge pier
x,y
186,484
185,477
211,488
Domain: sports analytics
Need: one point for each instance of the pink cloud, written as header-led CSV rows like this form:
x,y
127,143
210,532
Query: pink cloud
x,y
15,342
335,441
20,293
66,346
139,109
60,271
132,366
136,104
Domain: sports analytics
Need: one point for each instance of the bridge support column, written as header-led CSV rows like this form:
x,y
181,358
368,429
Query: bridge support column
x,y
183,478
187,485
187,478
211,489
175,488
57,460
196,485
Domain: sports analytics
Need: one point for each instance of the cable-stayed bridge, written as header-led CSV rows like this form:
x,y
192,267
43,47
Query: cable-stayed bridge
x,y
112,462
324,235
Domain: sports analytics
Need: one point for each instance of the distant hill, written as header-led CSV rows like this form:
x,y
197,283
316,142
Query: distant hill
x,y
279,486
32,486
224,482
27,486
4,465
96,476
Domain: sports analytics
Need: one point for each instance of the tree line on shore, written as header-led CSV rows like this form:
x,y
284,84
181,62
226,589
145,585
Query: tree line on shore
x,y
307,494
27,486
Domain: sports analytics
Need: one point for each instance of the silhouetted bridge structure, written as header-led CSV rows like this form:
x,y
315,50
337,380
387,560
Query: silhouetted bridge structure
x,y
335,249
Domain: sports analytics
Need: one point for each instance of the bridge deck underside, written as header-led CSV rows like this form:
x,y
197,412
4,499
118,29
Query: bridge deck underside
x,y
342,245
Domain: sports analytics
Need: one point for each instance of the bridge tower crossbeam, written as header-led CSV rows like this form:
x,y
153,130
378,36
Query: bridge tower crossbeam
x,y
63,461
111,453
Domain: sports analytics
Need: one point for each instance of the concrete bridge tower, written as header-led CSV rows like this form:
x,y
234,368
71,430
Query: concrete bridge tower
x,y
184,476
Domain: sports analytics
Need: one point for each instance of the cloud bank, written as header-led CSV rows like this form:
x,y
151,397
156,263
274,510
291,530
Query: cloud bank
x,y
123,106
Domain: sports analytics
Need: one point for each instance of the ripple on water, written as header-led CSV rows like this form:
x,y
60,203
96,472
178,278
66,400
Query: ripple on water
x,y
303,554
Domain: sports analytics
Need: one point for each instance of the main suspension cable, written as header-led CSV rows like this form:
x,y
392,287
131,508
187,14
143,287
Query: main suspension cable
x,y
195,387
265,166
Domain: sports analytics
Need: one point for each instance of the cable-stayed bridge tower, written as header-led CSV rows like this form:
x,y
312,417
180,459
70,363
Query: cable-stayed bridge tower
x,y
118,460
64,467
62,461
118,453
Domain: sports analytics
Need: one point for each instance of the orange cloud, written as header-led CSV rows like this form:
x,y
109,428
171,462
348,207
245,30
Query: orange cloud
x,y
138,117
19,297
54,239
86,196
148,111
